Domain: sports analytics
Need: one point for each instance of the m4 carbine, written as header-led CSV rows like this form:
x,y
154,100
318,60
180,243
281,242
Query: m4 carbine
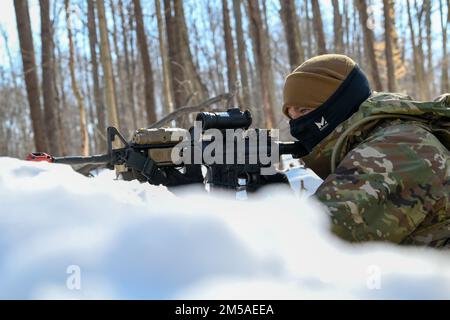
x,y
149,156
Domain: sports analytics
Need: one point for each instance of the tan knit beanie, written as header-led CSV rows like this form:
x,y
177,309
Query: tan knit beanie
x,y
315,80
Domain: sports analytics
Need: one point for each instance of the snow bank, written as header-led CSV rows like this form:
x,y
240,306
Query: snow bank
x,y
66,236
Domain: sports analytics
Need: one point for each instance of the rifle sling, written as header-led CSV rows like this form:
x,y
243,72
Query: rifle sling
x,y
146,166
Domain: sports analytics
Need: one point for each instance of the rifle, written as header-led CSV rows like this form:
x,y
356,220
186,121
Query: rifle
x,y
149,156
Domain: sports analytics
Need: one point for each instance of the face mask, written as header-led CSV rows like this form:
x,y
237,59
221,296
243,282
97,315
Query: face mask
x,y
315,126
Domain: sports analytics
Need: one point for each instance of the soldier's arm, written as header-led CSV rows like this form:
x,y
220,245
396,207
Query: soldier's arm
x,y
385,187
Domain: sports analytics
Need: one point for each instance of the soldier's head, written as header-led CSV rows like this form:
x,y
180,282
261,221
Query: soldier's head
x,y
320,94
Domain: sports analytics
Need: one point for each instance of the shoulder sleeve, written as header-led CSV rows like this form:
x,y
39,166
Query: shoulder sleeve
x,y
383,96
386,186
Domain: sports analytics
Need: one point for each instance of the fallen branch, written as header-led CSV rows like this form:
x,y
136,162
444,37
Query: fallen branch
x,y
189,109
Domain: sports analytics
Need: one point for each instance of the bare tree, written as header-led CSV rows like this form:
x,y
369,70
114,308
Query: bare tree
x,y
262,59
194,82
130,102
356,39
388,32
445,84
48,87
216,41
167,87
98,97
428,25
176,64
120,92
60,90
292,33
346,18
105,56
145,56
309,39
242,48
419,48
369,39
338,30
75,88
17,113
30,72
229,47
185,78
417,59
318,27
134,80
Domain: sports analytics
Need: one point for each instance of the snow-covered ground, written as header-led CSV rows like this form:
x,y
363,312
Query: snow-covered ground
x,y
63,235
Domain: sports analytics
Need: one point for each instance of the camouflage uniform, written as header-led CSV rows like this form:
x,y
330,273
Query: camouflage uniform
x,y
392,181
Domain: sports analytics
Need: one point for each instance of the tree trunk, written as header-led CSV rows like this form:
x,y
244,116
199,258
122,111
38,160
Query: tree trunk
x,y
369,40
145,56
184,75
18,100
262,60
346,18
140,112
338,31
93,141
167,84
100,131
357,39
62,102
445,83
30,73
425,92
242,48
129,83
191,74
48,88
418,66
318,27
430,69
76,90
84,60
120,87
292,33
105,56
309,39
176,64
268,54
255,79
229,47
388,39
218,64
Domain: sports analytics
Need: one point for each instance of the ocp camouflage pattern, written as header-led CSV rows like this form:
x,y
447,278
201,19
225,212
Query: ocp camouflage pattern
x,y
392,181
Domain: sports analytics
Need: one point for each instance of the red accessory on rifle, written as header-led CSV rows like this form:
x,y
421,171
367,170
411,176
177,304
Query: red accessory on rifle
x,y
39,156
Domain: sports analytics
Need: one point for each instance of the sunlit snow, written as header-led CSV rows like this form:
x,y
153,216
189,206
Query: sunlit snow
x,y
63,235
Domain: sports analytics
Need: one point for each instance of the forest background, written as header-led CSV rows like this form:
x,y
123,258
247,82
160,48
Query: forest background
x,y
70,68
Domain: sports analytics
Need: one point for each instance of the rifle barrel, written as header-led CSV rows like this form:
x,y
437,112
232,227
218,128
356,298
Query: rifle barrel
x,y
288,148
95,159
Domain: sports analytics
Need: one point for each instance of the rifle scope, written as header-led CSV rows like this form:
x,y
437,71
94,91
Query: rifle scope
x,y
231,119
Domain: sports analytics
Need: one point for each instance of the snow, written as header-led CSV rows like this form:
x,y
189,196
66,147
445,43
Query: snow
x,y
66,236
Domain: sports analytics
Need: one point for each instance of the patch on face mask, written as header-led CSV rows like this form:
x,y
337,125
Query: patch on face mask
x,y
322,124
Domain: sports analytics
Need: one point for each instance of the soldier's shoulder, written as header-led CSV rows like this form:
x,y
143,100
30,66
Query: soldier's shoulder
x,y
444,98
388,96
401,104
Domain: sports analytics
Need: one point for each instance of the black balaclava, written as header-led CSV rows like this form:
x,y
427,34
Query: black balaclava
x,y
315,126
